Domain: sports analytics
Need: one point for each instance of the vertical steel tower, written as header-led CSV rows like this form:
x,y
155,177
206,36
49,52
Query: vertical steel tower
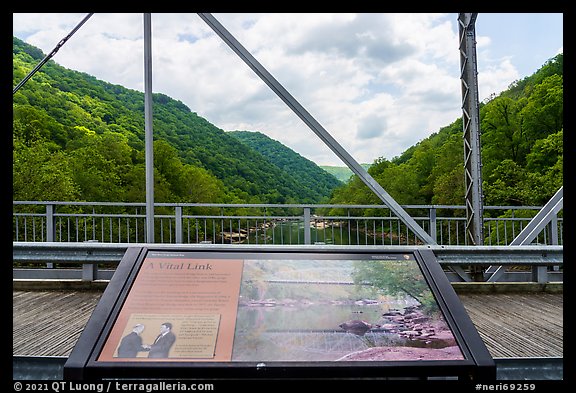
x,y
471,128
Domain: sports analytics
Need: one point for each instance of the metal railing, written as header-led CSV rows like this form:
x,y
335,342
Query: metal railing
x,y
97,261
188,223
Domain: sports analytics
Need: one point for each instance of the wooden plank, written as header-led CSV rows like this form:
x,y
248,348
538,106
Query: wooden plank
x,y
48,323
518,324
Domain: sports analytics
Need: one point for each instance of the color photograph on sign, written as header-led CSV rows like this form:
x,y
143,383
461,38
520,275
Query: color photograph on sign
x,y
339,310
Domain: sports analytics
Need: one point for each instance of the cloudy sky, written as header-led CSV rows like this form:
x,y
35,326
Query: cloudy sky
x,y
378,83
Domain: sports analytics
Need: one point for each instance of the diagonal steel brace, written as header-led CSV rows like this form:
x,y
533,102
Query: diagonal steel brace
x,y
299,110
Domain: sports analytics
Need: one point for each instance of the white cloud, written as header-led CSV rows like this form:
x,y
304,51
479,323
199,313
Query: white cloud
x,y
379,83
496,78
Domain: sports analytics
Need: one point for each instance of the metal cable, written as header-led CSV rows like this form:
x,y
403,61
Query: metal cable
x,y
49,56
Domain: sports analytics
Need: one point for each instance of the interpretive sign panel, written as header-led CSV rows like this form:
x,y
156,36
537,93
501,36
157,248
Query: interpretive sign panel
x,y
303,312
197,297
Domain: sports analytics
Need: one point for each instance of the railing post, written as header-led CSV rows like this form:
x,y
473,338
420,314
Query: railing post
x,y
540,274
554,230
307,237
178,218
554,235
433,223
89,271
50,228
50,223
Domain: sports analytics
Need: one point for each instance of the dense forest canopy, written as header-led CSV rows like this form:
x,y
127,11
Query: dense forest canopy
x,y
76,138
521,149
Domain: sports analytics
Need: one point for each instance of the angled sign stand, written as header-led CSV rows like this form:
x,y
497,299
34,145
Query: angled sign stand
x,y
316,127
256,312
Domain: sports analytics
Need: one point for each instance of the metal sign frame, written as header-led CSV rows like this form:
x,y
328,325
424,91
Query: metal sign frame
x,y
83,363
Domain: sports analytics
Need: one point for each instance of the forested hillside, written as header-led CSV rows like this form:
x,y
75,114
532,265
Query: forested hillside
x,y
521,147
313,178
79,138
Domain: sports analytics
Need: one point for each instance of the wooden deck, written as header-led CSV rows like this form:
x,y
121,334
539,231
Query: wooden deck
x,y
517,325
48,323
513,325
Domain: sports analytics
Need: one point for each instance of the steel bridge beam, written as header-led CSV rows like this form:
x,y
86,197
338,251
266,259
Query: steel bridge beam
x,y
471,128
148,130
534,227
454,257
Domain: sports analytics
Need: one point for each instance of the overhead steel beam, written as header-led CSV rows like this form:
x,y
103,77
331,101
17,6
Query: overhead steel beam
x,y
316,127
51,54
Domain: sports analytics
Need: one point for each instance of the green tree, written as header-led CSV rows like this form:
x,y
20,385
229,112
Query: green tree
x,y
95,175
502,133
393,278
545,167
42,173
546,153
447,176
544,111
502,187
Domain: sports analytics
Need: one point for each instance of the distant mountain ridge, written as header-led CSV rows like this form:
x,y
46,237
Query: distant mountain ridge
x,y
309,174
342,173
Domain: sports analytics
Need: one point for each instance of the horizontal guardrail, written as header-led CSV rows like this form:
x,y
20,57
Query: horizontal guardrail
x,y
540,263
189,223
